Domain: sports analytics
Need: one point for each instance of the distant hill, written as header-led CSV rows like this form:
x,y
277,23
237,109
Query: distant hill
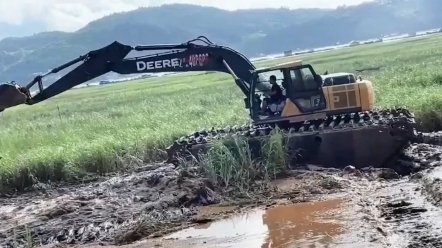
x,y
250,31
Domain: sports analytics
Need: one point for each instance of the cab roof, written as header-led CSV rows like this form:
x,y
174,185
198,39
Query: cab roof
x,y
337,74
280,66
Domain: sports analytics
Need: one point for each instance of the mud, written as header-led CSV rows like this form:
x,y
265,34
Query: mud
x,y
398,206
383,209
121,209
405,211
147,203
403,216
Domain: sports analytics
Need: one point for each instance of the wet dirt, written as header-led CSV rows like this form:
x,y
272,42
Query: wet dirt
x,y
147,203
404,211
390,207
119,209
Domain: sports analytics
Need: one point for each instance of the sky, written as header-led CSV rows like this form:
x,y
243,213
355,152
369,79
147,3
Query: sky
x,y
70,15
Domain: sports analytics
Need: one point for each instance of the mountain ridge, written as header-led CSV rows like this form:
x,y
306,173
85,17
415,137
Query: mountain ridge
x,y
252,32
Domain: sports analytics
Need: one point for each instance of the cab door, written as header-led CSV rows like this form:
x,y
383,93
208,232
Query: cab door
x,y
304,89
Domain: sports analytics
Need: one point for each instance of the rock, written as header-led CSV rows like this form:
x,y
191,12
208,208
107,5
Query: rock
x,y
388,174
349,169
417,176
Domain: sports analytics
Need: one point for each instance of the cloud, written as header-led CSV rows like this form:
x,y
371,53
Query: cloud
x,y
235,4
70,15
65,15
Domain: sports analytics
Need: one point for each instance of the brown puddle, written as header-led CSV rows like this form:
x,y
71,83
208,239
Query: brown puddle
x,y
297,225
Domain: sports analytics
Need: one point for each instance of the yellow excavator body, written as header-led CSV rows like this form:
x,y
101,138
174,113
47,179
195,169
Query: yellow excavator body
x,y
341,99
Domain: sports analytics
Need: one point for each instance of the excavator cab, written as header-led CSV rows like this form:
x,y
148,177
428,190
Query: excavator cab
x,y
302,89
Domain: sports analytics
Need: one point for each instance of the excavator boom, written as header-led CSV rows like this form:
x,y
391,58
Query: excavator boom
x,y
186,57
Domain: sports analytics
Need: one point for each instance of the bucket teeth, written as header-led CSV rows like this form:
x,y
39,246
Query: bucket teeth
x,y
344,129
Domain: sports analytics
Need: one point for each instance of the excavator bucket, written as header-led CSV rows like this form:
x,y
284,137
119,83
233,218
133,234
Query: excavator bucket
x,y
362,140
10,96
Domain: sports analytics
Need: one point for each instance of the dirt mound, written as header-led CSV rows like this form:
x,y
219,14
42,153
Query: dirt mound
x,y
417,157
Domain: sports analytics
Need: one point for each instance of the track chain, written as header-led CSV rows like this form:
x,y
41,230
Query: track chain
x,y
394,119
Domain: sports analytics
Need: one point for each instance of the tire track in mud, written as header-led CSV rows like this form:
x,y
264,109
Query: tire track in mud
x,y
402,211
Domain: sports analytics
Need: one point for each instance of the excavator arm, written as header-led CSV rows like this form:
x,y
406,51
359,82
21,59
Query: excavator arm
x,y
185,57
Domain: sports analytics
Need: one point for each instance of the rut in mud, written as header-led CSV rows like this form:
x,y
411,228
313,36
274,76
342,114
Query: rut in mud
x,y
404,211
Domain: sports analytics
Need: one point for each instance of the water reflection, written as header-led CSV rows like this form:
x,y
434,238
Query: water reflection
x,y
303,224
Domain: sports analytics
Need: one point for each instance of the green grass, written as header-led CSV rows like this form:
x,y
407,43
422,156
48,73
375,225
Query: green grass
x,y
237,164
106,128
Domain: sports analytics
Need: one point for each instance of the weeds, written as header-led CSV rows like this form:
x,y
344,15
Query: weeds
x,y
239,162
276,157
108,128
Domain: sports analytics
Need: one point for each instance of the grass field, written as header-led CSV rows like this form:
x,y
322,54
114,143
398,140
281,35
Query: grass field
x,y
105,128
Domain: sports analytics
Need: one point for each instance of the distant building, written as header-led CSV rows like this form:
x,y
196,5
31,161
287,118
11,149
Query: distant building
x,y
354,43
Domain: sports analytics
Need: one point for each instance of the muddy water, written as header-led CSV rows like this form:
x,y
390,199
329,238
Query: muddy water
x,y
303,224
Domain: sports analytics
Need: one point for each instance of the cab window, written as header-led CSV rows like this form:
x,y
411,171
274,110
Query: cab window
x,y
303,80
263,85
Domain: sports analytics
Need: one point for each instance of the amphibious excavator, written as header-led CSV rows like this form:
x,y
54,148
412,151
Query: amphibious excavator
x,y
330,118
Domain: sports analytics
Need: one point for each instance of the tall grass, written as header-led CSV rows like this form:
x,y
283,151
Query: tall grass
x,y
233,162
107,128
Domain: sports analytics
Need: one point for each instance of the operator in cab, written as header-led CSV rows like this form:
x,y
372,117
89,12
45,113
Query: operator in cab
x,y
275,94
